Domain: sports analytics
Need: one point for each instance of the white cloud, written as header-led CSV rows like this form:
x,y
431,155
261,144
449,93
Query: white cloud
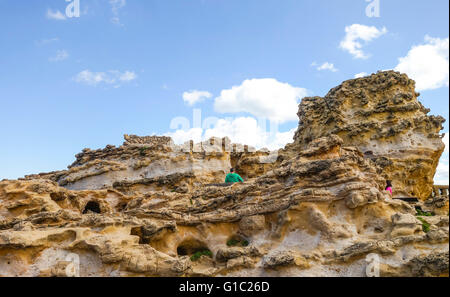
x,y
326,66
195,96
427,64
362,74
265,98
181,136
116,5
282,138
357,33
61,55
442,171
55,15
112,77
243,130
127,76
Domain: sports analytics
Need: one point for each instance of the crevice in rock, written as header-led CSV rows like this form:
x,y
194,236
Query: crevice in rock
x,y
121,206
190,247
137,231
237,240
92,206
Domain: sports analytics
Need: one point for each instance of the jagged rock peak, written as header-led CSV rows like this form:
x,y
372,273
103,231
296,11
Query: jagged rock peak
x,y
380,115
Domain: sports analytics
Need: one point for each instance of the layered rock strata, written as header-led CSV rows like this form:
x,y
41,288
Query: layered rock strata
x,y
315,208
381,115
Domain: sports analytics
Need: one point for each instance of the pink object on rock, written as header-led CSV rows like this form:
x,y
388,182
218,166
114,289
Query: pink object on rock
x,y
389,189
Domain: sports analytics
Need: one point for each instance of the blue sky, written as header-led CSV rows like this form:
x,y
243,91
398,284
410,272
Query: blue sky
x,y
131,67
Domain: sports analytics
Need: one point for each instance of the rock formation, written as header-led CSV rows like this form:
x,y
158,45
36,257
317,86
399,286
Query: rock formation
x,y
315,208
380,114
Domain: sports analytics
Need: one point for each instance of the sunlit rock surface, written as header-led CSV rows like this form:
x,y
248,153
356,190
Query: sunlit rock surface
x,y
315,208
381,115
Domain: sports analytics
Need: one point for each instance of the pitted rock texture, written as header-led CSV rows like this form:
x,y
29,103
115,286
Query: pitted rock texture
x,y
152,208
381,115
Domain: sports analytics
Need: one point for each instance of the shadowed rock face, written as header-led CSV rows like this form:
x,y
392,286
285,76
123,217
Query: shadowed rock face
x,y
315,208
382,117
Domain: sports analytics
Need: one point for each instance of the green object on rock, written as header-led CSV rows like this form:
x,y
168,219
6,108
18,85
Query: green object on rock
x,y
233,178
425,226
199,254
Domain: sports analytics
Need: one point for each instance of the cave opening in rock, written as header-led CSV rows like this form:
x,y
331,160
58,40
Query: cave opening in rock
x,y
237,240
191,247
138,231
92,206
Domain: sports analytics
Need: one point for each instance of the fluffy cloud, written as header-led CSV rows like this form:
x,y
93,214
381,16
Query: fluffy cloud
x,y
55,15
127,76
442,171
427,64
61,55
362,74
112,77
325,66
281,139
244,130
181,136
264,98
355,35
195,96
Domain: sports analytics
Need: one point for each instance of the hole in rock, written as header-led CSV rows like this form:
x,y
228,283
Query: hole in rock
x,y
57,196
193,247
121,206
93,207
138,231
237,240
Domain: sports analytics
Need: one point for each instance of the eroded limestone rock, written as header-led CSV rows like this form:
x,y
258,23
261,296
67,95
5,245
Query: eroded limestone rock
x,y
315,208
381,116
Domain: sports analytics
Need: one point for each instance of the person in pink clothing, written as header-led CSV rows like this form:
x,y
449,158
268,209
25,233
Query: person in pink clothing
x,y
389,187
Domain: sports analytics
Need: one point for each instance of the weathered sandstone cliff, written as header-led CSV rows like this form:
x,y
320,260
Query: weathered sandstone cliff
x,y
315,208
380,114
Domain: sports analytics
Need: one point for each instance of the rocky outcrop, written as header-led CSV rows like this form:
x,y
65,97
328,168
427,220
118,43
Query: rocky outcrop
x,y
381,116
156,163
315,208
432,265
